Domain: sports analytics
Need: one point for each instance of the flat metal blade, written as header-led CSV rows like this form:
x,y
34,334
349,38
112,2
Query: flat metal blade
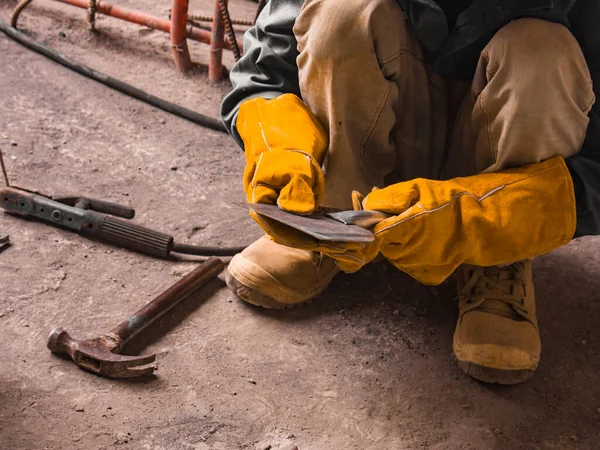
x,y
317,225
4,241
361,218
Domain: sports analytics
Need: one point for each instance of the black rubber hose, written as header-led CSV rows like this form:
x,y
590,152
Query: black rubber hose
x,y
192,116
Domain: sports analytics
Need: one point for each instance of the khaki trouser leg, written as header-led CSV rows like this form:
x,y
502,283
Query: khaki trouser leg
x,y
363,73
528,102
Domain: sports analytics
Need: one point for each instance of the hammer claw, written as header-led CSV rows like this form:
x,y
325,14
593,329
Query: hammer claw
x,y
129,369
120,366
142,371
96,356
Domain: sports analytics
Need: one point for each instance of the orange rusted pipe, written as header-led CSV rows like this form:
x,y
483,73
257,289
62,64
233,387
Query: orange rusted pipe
x,y
217,42
140,18
181,54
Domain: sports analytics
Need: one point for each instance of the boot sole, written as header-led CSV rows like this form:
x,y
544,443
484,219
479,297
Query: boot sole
x,y
241,282
255,298
495,364
495,376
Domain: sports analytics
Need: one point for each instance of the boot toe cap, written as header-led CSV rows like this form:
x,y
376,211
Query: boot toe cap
x,y
501,346
270,275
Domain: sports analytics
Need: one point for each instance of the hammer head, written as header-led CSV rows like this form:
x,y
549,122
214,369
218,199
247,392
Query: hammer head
x,y
96,355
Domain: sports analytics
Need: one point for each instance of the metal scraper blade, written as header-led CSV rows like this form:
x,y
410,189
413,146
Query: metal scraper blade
x,y
317,225
4,241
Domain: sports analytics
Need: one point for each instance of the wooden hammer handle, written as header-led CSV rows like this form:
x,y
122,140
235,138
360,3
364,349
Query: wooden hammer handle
x,y
167,300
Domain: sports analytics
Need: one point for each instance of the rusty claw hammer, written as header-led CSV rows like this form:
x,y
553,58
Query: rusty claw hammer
x,y
101,355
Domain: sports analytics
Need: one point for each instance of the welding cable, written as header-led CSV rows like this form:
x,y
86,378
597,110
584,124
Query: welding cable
x,y
180,111
188,249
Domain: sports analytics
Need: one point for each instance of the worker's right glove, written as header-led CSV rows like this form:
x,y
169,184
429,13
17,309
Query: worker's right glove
x,y
285,145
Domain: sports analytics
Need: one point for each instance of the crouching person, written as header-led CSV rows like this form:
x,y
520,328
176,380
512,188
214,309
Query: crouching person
x,y
474,119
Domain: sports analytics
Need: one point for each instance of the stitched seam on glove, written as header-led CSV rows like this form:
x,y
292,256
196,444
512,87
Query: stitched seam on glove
x,y
253,183
351,256
572,203
262,131
310,157
487,194
452,200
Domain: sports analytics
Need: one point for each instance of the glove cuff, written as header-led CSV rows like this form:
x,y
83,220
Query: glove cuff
x,y
483,220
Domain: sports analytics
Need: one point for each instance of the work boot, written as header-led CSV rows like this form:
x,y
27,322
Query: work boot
x,y
497,339
275,276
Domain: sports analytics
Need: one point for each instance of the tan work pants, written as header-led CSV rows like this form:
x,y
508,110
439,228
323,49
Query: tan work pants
x,y
363,73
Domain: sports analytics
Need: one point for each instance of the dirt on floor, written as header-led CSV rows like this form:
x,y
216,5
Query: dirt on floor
x,y
367,365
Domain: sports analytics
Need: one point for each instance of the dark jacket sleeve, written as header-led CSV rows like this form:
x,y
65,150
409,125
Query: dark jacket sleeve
x,y
585,166
268,67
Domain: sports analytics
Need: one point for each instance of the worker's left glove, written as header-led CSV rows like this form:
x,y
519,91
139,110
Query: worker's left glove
x,y
485,220
285,146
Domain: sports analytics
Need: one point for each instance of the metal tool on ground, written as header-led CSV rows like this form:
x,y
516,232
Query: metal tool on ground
x,y
4,241
101,356
4,238
100,220
341,226
3,167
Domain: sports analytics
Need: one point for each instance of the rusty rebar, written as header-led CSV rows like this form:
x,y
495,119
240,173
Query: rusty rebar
x,y
204,18
92,15
14,18
229,29
4,169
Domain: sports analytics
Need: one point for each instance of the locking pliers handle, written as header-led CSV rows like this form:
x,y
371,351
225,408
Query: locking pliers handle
x,y
101,206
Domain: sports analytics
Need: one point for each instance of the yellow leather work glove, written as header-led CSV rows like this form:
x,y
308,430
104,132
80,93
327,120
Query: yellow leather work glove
x,y
485,220
285,145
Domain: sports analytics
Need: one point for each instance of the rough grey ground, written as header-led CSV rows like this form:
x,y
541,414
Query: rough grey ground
x,y
367,365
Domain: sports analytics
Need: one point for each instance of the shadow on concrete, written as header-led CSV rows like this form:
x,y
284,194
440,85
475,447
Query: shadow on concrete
x,y
380,301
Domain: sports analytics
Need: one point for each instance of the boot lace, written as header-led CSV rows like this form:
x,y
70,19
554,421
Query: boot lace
x,y
506,285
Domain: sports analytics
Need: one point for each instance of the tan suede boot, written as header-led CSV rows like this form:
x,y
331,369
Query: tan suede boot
x,y
275,276
497,338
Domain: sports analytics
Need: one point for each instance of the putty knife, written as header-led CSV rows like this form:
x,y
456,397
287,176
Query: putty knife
x,y
342,226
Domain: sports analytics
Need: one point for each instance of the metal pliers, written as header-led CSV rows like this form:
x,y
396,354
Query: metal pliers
x,y
100,220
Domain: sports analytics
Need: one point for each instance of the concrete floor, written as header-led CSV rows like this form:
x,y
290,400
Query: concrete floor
x,y
368,365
